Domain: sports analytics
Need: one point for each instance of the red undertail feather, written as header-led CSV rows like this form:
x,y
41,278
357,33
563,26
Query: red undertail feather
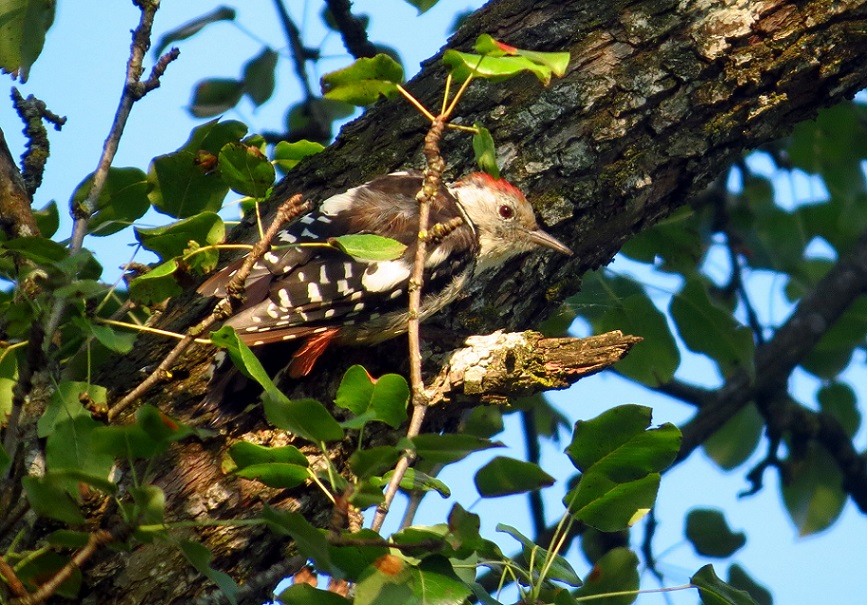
x,y
305,358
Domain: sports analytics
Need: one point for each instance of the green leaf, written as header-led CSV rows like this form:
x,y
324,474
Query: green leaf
x,y
363,82
434,448
708,328
48,497
673,244
172,240
504,476
304,594
618,303
200,558
620,463
556,62
733,443
215,96
713,591
288,155
392,580
245,454
838,399
813,495
368,247
306,418
37,566
122,201
615,572
415,480
157,285
242,357
310,541
710,535
384,399
559,569
185,182
422,5
276,474
190,28
113,340
70,447
40,250
353,560
374,461
23,24
486,151
65,405
496,69
259,76
246,170
47,219
740,579
151,434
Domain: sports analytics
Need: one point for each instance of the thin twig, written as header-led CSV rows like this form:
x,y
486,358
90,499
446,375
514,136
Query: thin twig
x,y
34,112
430,189
133,90
300,53
97,539
223,309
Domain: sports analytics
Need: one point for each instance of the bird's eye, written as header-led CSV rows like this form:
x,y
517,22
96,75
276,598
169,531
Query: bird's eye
x,y
506,212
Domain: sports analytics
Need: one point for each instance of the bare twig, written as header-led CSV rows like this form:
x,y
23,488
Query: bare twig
x,y
430,189
11,578
300,53
96,539
351,29
133,90
223,309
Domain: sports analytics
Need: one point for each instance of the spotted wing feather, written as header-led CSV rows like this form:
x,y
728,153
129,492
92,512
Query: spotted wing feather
x,y
299,292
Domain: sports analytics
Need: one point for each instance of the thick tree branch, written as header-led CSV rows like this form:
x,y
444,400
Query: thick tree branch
x,y
16,216
774,361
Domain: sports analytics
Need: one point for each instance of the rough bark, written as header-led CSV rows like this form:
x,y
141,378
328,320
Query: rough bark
x,y
659,98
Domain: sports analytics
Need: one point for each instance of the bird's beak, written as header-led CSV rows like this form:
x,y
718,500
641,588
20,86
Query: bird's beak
x,y
540,238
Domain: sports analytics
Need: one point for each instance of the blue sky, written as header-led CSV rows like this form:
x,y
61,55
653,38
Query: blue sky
x,y
80,75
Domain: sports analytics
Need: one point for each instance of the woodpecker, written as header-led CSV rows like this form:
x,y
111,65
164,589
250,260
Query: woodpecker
x,y
320,296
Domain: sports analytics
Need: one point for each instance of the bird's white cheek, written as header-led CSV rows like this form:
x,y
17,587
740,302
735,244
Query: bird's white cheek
x,y
385,276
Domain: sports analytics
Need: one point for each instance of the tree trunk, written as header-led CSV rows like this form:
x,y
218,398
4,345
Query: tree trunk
x,y
660,97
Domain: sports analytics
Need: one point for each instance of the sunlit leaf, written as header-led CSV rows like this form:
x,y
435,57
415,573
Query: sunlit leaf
x,y
620,460
363,82
246,169
384,399
486,151
369,247
157,285
287,155
172,240
304,594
